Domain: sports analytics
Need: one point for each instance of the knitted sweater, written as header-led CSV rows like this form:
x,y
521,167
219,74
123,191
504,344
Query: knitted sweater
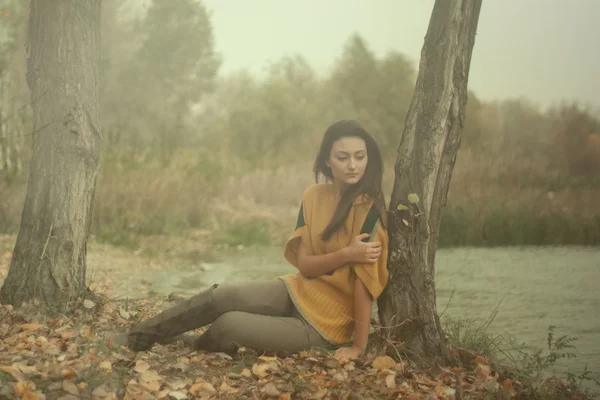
x,y
327,301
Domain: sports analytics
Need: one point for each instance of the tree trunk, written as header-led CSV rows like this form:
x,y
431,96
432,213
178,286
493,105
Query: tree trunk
x,y
426,157
49,260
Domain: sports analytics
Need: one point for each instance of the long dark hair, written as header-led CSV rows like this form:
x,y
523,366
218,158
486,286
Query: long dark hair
x,y
369,185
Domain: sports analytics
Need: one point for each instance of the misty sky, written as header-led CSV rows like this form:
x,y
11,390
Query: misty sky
x,y
545,50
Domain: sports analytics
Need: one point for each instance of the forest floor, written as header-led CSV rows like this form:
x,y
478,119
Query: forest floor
x,y
45,354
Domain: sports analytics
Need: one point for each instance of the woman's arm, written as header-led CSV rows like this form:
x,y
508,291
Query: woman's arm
x,y
363,306
358,251
312,266
363,303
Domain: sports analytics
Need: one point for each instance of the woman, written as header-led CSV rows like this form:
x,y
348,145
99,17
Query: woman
x,y
339,247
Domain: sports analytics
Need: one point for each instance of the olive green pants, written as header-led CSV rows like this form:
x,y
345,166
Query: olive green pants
x,y
258,315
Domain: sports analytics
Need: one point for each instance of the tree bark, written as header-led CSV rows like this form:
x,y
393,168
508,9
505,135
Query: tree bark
x,y
424,164
49,259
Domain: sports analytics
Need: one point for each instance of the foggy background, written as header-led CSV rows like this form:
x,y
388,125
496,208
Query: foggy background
x,y
212,113
545,50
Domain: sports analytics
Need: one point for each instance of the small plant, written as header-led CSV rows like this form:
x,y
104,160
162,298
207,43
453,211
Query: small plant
x,y
535,369
576,383
538,366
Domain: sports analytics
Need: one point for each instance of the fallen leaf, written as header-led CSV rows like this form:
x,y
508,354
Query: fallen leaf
x,y
481,360
445,392
260,370
68,333
399,368
390,381
141,366
30,327
427,382
178,395
483,370
225,388
26,369
31,396
339,377
87,303
176,384
23,387
101,391
271,390
267,359
68,374
88,333
124,313
150,386
225,356
383,362
133,391
246,373
149,376
183,364
202,389
285,396
105,366
70,387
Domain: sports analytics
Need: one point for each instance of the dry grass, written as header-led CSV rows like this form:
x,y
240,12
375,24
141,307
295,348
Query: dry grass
x,y
251,205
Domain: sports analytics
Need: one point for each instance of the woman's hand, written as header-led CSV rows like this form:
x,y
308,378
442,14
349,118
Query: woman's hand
x,y
364,252
347,353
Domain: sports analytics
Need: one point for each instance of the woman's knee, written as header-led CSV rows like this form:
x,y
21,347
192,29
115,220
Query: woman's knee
x,y
224,333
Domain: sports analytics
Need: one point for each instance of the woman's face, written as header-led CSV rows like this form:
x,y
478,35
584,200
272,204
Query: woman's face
x,y
348,160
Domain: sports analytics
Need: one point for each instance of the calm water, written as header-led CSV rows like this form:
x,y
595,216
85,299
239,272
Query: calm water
x,y
537,287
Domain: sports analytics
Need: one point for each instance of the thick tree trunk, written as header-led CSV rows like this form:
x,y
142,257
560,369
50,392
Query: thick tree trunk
x,y
49,258
426,157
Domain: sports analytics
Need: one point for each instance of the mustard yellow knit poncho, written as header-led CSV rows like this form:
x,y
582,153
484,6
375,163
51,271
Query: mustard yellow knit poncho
x,y
327,302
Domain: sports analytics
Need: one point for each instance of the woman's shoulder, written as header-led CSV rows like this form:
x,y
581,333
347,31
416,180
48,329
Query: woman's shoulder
x,y
318,190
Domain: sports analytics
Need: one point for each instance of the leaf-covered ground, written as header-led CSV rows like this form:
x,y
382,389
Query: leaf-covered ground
x,y
48,355
72,357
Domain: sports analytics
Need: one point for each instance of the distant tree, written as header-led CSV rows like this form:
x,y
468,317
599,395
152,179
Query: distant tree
x,y
49,259
426,156
158,67
523,129
271,120
375,91
576,139
14,97
356,76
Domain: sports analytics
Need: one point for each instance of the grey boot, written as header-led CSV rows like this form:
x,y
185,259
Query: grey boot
x,y
190,314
